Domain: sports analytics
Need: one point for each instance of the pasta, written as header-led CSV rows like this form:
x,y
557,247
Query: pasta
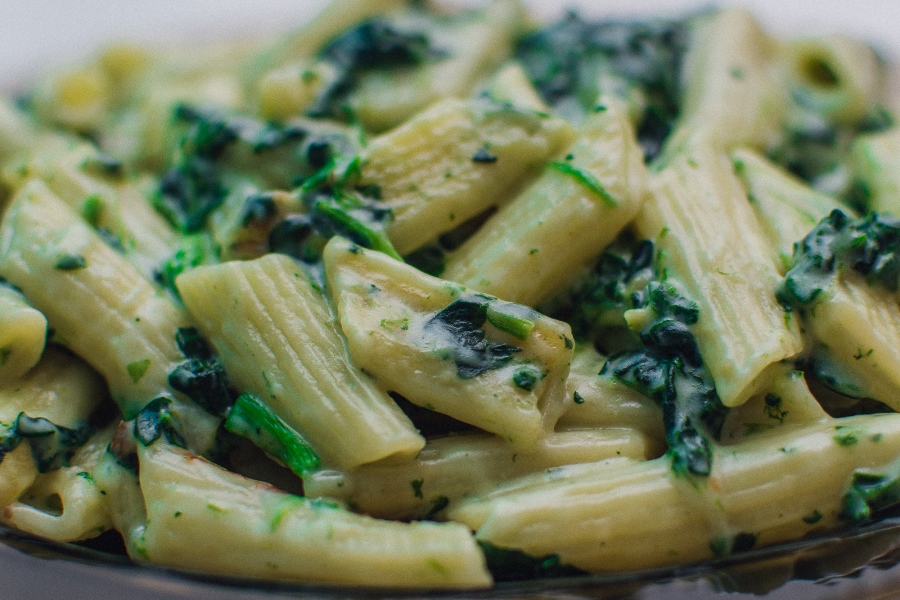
x,y
431,298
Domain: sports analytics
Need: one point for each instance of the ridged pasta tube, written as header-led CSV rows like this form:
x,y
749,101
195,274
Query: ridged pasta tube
x,y
875,161
203,517
452,467
769,488
564,220
416,335
97,303
834,76
65,504
732,97
787,208
430,172
711,242
23,334
278,339
61,389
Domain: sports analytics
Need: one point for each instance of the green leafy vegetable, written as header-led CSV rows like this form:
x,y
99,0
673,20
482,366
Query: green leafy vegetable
x,y
155,421
459,327
251,418
71,262
514,565
373,45
566,60
202,377
51,445
869,245
871,491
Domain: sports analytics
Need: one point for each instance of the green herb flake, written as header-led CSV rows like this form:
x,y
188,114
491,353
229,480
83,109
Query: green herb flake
x,y
484,156
416,485
773,408
71,262
585,179
813,517
527,377
579,399
847,436
92,209
138,369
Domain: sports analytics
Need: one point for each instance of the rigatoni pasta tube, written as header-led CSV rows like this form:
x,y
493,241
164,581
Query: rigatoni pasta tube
x,y
711,243
452,467
50,253
23,333
731,97
203,517
766,489
564,220
416,335
432,176
278,339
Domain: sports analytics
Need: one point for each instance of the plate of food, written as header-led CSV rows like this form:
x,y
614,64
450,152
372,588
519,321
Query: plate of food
x,y
476,299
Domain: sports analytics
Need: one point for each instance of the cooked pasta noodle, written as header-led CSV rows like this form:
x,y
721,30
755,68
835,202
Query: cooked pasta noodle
x,y
412,296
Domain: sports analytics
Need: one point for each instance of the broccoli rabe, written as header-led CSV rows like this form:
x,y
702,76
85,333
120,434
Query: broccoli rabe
x,y
335,205
252,419
871,491
601,297
656,353
193,250
573,61
868,245
155,421
216,145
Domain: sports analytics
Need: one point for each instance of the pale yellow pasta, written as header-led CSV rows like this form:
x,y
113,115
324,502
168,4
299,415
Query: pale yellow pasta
x,y
833,75
875,161
562,222
387,311
428,168
732,97
278,339
453,467
65,504
50,253
787,208
61,389
237,525
604,402
23,334
712,245
773,486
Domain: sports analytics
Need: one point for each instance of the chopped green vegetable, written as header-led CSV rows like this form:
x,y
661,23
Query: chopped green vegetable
x,y
202,377
514,565
251,418
871,491
375,44
138,369
514,319
156,421
459,327
527,377
586,179
51,445
565,61
484,156
71,262
869,245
